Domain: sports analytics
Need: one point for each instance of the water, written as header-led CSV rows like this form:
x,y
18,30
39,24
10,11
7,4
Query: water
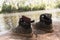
x,y
2,25
33,15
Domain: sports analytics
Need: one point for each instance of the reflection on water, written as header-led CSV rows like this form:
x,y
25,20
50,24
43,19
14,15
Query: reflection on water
x,y
2,25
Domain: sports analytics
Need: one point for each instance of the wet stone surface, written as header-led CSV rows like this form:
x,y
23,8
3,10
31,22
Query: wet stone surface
x,y
37,34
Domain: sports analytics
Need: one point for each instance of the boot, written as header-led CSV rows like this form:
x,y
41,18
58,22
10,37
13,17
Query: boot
x,y
45,23
24,27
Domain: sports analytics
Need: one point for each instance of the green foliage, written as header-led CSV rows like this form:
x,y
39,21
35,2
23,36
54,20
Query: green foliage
x,y
39,7
22,7
35,8
6,8
58,5
13,9
42,7
9,8
25,8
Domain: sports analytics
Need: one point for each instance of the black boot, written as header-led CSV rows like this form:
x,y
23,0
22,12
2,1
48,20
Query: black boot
x,y
45,23
24,26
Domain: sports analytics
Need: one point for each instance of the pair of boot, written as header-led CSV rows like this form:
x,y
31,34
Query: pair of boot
x,y
44,24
